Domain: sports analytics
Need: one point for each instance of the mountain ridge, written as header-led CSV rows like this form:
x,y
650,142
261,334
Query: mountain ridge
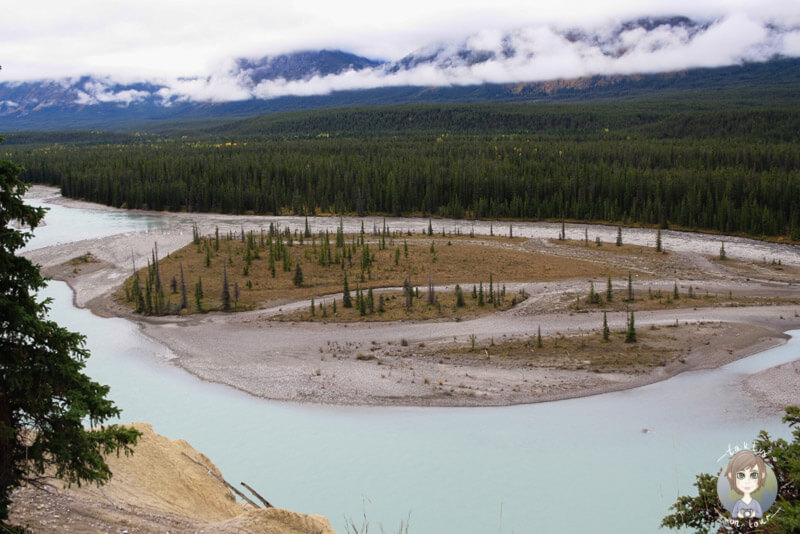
x,y
505,67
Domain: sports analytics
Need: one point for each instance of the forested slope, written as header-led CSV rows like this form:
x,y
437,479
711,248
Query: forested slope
x,y
697,165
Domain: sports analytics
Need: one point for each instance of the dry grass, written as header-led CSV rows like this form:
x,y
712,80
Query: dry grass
x,y
442,260
656,347
629,251
666,300
394,307
768,268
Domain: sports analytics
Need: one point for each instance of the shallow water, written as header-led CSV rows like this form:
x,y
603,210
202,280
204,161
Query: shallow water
x,y
570,466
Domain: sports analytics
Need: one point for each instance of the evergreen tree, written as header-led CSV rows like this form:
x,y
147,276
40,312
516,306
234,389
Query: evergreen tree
x,y
722,254
45,399
184,302
361,302
619,236
659,247
226,292
630,335
594,297
347,300
298,275
539,343
198,294
606,330
630,287
609,290
459,297
702,513
675,293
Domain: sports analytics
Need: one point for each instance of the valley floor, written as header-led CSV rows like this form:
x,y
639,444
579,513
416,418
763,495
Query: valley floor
x,y
426,364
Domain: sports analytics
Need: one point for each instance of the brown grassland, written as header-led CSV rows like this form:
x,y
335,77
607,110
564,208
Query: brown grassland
x,y
654,347
440,260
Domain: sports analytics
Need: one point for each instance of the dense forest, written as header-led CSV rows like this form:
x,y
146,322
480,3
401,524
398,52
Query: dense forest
x,y
702,166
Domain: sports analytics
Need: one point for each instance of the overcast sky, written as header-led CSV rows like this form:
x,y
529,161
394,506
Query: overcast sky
x,y
141,39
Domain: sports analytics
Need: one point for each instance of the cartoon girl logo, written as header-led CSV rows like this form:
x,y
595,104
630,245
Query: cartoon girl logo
x,y
747,487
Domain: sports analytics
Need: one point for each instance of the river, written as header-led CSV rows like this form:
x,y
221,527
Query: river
x,y
607,463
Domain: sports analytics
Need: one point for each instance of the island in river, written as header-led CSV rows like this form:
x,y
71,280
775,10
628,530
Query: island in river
x,y
547,346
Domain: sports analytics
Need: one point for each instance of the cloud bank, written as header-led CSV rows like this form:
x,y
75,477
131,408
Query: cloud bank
x,y
528,54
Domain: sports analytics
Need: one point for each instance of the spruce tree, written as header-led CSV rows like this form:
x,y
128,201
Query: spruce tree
x,y
347,300
459,297
630,287
45,398
198,294
184,302
226,293
630,335
606,330
298,275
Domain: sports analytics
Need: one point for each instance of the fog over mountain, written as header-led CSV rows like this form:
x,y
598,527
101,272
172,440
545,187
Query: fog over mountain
x,y
526,54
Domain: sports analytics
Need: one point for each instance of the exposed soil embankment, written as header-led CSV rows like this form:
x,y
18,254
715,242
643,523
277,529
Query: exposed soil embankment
x,y
160,488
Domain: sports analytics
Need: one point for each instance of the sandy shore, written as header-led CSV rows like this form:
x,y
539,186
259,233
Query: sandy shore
x,y
397,363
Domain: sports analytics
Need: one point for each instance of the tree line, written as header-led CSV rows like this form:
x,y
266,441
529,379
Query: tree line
x,y
731,186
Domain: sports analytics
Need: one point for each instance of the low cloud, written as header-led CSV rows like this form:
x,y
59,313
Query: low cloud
x,y
537,53
530,54
102,92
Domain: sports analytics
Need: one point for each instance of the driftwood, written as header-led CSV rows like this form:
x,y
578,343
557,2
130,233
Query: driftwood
x,y
260,498
232,488
109,498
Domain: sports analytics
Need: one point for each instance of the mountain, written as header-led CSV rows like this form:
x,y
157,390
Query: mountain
x,y
300,66
532,64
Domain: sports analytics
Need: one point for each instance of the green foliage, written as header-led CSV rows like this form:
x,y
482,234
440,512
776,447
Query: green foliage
x,y
226,292
347,300
298,275
630,334
459,297
594,297
44,396
731,170
703,512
